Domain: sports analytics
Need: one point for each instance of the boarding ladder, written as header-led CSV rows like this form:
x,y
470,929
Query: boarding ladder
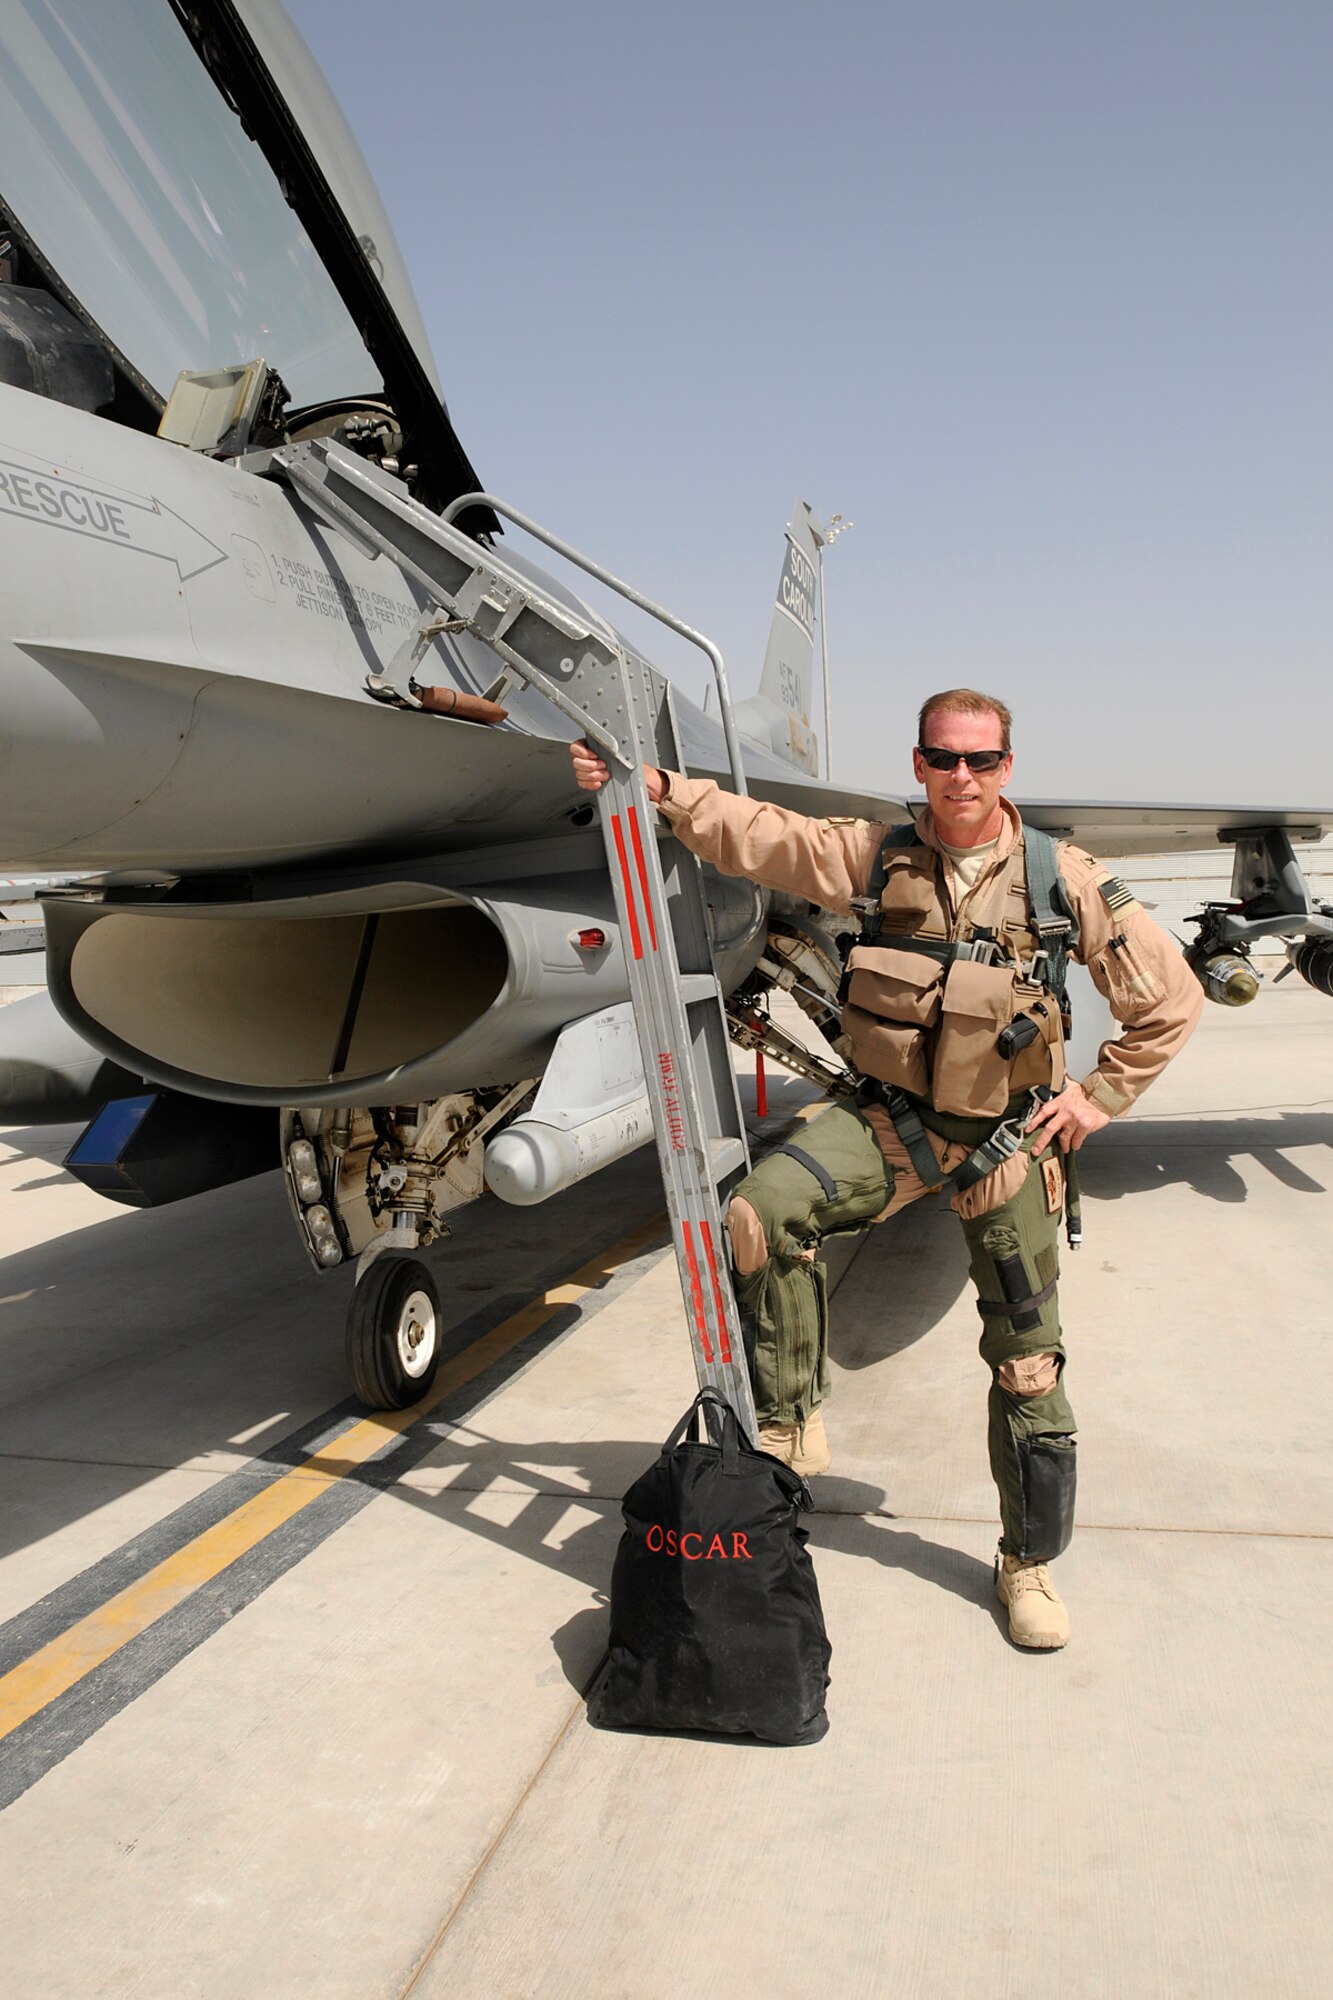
x,y
624,708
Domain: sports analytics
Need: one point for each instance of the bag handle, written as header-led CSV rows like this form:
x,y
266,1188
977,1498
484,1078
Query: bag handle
x,y
724,1430
721,1423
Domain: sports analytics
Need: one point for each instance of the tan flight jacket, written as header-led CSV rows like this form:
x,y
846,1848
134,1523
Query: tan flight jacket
x,y
931,1032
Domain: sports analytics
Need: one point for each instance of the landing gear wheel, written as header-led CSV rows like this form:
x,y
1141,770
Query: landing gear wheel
x,y
393,1333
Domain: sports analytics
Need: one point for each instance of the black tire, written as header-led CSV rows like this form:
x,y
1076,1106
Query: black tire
x,y
393,1333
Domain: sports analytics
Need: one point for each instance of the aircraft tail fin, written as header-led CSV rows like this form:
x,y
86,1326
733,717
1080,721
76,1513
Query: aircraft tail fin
x,y
778,715
789,671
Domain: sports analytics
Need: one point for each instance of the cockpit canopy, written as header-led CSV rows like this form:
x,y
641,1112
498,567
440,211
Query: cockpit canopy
x,y
183,177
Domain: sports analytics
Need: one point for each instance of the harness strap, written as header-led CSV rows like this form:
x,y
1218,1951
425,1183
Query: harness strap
x,y
812,1166
1052,921
897,837
1000,1144
905,835
1003,1143
960,1131
944,950
1052,918
1073,1202
1011,1308
940,949
912,1132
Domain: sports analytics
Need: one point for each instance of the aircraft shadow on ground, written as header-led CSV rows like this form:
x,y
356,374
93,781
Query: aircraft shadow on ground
x,y
141,1343
145,1341
114,1380
1207,1155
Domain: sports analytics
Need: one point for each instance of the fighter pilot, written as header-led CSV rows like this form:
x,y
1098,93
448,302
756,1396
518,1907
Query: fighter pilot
x,y
953,1021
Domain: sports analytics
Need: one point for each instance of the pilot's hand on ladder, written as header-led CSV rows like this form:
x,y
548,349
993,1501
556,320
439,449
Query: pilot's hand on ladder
x,y
591,772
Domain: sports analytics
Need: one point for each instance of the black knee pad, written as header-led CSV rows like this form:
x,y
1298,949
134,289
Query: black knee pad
x,y
1048,1473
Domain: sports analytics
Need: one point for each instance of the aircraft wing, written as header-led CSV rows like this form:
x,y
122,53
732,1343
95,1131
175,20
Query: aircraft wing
x,y
1116,827
1108,828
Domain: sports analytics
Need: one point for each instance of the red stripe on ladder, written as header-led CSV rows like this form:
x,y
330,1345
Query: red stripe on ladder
x,y
710,1252
634,938
643,873
697,1293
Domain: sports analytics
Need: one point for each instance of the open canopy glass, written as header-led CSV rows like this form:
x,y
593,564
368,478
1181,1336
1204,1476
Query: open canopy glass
x,y
126,169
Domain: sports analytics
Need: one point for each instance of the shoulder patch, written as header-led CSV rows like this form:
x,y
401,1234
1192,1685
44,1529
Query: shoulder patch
x,y
1116,896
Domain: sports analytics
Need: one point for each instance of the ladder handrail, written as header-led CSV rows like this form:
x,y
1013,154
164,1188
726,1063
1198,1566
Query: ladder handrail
x,y
633,596
665,927
294,462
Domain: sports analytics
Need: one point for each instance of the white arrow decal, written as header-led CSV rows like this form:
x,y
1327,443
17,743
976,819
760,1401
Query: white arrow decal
x,y
121,520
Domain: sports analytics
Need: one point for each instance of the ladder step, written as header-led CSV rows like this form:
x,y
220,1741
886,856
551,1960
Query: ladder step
x,y
623,705
724,1156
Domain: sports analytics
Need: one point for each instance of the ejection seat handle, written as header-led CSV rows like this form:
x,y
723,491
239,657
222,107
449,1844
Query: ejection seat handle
x,y
626,590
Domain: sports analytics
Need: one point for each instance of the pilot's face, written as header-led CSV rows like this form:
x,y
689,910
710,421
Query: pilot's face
x,y
964,804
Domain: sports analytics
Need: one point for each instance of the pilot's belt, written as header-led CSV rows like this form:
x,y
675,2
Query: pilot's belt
x,y
993,1141
945,951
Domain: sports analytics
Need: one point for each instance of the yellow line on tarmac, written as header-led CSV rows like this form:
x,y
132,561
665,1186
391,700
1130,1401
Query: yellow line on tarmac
x,y
56,1667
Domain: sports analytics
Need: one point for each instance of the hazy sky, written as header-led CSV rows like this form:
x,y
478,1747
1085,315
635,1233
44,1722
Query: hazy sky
x,y
1038,293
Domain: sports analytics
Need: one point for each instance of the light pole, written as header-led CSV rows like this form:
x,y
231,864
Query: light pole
x,y
825,538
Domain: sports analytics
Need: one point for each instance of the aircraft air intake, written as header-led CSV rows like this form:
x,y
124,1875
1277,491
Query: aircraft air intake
x,y
303,1004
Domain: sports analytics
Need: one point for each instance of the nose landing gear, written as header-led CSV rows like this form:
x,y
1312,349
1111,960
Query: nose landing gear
x,y
393,1333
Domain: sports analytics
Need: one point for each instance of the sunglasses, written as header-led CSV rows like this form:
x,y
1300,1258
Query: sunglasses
x,y
976,760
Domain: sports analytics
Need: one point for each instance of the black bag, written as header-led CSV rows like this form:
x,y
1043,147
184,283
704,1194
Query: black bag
x,y
715,1616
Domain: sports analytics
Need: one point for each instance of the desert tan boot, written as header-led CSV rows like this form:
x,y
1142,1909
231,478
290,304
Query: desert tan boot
x,y
804,1447
1037,1615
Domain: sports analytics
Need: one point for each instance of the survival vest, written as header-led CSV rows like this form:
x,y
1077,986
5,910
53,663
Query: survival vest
x,y
965,1014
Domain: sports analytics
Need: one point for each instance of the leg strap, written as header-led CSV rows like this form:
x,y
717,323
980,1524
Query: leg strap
x,y
1073,1201
1011,1308
812,1166
912,1132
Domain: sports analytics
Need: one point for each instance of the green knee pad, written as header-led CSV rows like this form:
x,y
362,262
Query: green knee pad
x,y
1015,1263
784,1305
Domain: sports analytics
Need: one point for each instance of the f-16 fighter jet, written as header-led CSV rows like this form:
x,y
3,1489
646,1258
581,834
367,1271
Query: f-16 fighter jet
x,y
320,886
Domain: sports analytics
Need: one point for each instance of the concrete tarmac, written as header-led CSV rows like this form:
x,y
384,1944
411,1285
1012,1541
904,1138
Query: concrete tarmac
x,y
292,1703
